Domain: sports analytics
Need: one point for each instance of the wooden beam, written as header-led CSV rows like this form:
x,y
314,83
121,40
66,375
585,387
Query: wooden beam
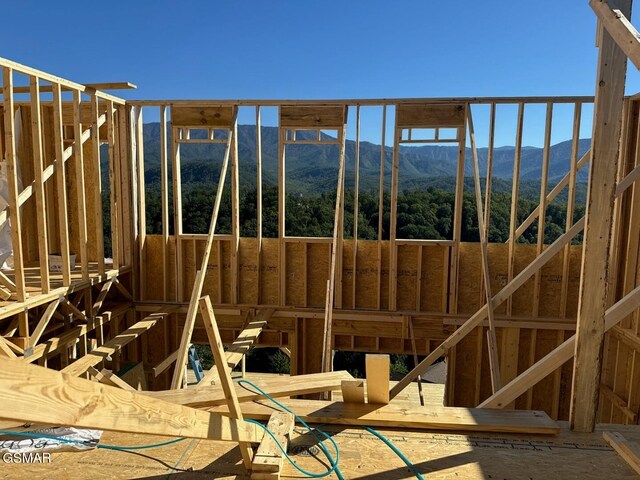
x,y
629,451
44,321
267,463
104,291
557,357
185,340
619,28
405,416
12,180
228,388
114,345
497,300
109,378
285,386
29,393
594,288
377,371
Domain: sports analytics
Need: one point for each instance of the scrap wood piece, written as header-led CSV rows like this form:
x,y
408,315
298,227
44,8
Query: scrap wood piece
x,y
99,354
34,394
629,451
242,344
407,416
278,387
211,326
352,391
267,463
377,371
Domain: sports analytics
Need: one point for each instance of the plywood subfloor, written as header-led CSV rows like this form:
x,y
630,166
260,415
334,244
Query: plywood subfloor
x,y
437,456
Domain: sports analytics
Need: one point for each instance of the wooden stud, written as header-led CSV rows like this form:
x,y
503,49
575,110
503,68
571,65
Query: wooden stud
x,y
38,166
97,181
61,185
80,188
164,186
356,210
114,183
268,461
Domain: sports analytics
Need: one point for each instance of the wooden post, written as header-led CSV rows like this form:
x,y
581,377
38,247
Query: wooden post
x,y
592,303
97,182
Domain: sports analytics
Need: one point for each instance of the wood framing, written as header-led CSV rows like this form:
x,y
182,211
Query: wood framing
x,y
612,64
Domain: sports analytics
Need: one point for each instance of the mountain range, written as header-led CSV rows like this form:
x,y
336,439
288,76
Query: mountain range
x,y
312,169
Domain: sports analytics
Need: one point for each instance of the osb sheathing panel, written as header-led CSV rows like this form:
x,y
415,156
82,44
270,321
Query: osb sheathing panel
x,y
347,274
433,281
384,277
319,258
296,282
226,271
367,274
407,274
248,270
469,278
171,270
269,271
211,285
466,369
152,253
498,254
523,297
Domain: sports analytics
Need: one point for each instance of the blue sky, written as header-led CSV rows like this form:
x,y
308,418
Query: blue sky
x,y
308,50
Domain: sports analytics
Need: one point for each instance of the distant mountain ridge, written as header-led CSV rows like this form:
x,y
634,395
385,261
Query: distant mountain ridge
x,y
313,170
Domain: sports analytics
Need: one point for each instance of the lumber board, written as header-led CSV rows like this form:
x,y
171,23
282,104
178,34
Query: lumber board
x,y
403,416
114,345
29,393
629,451
269,458
352,391
377,370
285,386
